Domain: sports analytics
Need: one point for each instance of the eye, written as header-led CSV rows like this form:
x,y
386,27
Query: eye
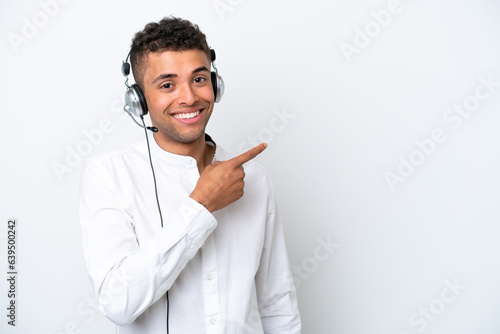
x,y
167,86
199,79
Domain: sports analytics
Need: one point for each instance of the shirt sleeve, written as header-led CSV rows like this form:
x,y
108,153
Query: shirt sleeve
x,y
274,281
127,277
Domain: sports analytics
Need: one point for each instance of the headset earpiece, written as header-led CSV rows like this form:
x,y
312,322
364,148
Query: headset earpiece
x,y
217,82
217,85
135,101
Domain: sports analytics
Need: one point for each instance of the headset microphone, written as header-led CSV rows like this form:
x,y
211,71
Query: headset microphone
x,y
126,108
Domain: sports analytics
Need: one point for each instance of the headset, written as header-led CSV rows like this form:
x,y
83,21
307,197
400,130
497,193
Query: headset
x,y
135,101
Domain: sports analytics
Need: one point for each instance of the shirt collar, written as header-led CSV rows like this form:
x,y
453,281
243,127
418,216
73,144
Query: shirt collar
x,y
176,159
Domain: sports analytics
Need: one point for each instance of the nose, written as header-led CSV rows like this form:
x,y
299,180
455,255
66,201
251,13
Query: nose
x,y
186,95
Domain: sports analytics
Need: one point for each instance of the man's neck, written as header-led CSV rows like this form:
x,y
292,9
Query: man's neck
x,y
198,150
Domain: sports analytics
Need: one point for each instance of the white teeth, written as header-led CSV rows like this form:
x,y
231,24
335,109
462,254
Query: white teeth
x,y
187,115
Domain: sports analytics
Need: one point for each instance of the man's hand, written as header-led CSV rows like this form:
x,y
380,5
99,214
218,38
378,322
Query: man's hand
x,y
221,183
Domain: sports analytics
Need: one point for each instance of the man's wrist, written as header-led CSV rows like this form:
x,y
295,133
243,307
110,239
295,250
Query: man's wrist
x,y
200,201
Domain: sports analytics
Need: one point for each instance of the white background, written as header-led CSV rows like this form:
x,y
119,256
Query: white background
x,y
352,120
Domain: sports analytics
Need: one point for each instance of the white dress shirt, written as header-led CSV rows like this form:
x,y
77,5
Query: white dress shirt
x,y
226,272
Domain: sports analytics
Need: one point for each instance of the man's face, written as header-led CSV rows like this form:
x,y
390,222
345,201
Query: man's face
x,y
179,95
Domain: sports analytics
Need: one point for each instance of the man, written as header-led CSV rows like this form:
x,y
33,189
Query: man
x,y
212,259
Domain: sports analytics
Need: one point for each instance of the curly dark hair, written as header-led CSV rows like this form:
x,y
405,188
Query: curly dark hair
x,y
170,34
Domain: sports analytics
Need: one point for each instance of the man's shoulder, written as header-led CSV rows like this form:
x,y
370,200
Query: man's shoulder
x,y
125,154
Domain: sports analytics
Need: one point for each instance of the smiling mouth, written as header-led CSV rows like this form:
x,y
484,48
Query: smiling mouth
x,y
188,115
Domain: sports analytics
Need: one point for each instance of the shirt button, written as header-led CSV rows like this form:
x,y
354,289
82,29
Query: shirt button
x,y
212,321
210,277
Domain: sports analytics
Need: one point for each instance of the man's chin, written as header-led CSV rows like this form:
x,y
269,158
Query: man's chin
x,y
182,138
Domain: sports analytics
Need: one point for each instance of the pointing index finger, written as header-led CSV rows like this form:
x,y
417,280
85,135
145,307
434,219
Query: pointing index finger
x,y
248,155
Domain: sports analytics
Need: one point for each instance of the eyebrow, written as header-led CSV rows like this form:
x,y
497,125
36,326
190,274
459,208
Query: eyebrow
x,y
171,75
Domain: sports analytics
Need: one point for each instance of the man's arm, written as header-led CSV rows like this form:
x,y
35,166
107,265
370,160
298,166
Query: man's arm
x,y
127,276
